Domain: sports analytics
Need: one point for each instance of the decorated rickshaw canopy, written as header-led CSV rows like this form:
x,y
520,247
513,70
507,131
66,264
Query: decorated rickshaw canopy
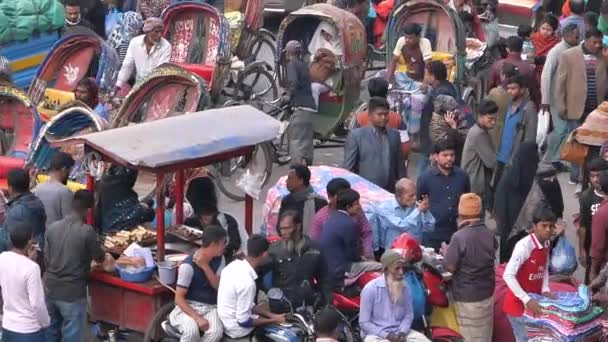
x,y
184,141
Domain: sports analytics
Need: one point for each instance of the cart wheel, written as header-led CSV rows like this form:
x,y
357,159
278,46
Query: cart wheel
x,y
256,85
154,332
226,174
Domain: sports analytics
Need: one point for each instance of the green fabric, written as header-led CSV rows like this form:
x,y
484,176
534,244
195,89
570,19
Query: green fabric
x,y
602,25
593,313
20,19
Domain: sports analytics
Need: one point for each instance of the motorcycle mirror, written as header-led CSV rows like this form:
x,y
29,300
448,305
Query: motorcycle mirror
x,y
275,293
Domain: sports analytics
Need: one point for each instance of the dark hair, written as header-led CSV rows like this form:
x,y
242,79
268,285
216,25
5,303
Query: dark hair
x,y
302,171
327,321
71,3
577,7
551,20
296,218
604,181
20,234
465,17
62,160
509,70
604,7
597,164
523,31
487,107
377,87
591,18
568,29
257,245
439,71
543,214
515,44
207,208
376,103
412,28
519,80
593,32
346,198
336,185
19,180
443,145
212,234
82,200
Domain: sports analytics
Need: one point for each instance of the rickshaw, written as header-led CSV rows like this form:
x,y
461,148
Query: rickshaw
x,y
168,90
75,120
165,147
19,124
70,60
229,60
338,103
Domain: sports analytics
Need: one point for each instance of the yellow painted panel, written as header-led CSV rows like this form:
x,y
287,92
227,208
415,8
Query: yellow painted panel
x,y
28,62
74,186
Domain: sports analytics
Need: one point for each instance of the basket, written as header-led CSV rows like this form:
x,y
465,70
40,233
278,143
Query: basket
x,y
139,277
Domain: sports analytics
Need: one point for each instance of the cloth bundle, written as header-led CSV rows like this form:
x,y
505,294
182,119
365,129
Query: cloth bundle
x,y
569,317
19,20
594,131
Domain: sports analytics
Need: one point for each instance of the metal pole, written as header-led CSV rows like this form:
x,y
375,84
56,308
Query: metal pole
x,y
179,197
91,188
248,214
160,218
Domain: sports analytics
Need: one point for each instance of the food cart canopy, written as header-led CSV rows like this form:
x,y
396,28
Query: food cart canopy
x,y
189,140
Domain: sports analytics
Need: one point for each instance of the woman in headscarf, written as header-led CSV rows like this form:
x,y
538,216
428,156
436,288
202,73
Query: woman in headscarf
x,y
512,191
326,36
545,193
128,26
544,40
202,197
118,205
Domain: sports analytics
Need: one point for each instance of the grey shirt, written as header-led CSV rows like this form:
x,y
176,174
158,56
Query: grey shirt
x,y
375,156
471,251
70,247
548,78
56,198
479,159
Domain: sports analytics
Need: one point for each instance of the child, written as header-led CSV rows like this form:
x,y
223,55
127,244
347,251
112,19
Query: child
x,y
525,33
528,272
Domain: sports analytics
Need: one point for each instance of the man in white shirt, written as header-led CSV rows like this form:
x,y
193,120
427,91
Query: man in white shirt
x,y
25,317
145,53
236,295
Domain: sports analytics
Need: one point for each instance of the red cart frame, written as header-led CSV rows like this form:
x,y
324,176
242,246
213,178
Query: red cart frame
x,y
166,146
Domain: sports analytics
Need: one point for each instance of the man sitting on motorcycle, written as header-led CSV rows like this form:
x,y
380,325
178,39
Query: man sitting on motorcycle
x,y
196,291
386,313
296,261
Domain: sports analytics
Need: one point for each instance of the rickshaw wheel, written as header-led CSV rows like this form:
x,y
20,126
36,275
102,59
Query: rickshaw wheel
x,y
154,332
351,120
228,173
257,84
264,41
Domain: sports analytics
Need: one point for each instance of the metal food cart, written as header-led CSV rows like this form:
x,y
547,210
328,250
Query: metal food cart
x,y
163,147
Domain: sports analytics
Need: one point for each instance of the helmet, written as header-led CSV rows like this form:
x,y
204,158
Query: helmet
x,y
409,247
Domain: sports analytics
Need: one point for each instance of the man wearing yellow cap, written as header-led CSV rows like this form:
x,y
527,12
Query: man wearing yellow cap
x,y
470,257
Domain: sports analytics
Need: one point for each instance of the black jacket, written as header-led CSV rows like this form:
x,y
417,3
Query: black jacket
x,y
291,271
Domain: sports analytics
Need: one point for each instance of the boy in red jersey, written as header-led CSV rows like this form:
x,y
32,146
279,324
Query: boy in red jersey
x,y
528,272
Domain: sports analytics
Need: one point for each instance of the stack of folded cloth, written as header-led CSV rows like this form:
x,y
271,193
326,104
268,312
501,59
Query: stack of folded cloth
x,y
569,317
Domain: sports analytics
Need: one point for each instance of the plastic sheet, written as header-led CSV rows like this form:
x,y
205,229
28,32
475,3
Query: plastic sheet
x,y
563,258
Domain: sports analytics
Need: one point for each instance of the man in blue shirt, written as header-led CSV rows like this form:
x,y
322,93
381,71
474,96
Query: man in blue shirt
x,y
339,241
443,183
519,125
404,214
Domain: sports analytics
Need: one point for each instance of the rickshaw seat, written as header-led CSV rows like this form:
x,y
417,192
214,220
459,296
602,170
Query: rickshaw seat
x,y
202,70
330,97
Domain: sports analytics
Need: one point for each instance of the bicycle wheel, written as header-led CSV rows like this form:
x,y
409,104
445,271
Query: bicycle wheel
x,y
227,173
257,86
154,331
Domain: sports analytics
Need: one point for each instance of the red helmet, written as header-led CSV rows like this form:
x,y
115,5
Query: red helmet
x,y
408,247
